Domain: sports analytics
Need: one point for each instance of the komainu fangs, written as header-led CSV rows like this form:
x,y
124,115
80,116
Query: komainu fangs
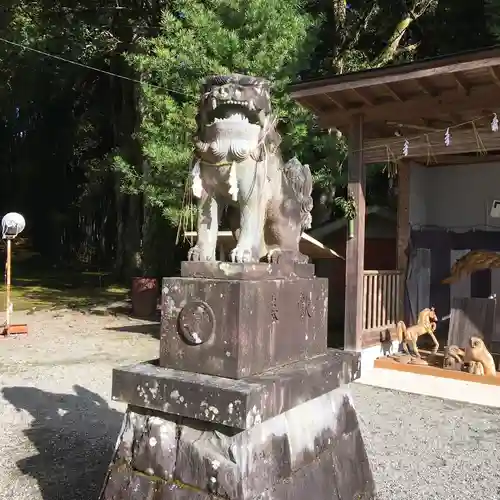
x,y
238,163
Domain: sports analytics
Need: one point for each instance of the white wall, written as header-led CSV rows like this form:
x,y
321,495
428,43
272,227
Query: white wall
x,y
458,197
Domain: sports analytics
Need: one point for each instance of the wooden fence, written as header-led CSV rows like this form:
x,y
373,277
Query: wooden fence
x,y
381,299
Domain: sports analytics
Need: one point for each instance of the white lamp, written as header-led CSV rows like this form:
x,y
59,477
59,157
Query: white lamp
x,y
12,225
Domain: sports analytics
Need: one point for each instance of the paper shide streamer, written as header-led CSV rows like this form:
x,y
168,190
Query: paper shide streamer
x,y
494,123
406,147
447,137
197,182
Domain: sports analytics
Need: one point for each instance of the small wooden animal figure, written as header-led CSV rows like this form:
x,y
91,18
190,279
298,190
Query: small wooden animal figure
x,y
453,358
386,343
479,358
426,323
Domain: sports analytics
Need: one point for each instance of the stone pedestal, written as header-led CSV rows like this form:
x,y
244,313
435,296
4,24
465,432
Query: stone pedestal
x,y
271,420
236,320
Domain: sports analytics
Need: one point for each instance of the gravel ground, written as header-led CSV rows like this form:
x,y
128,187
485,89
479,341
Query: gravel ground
x,y
428,448
58,425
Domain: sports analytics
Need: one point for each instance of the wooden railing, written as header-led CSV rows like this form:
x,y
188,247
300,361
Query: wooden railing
x,y
381,298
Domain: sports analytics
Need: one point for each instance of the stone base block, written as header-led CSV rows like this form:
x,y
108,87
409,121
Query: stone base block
x,y
245,271
230,325
233,403
313,451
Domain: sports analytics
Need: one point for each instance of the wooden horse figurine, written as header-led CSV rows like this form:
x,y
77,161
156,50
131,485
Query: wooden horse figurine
x,y
426,324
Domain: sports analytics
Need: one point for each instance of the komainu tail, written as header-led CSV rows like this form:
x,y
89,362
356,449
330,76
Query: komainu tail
x,y
300,179
401,331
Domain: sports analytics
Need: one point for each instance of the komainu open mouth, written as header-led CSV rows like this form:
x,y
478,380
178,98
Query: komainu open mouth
x,y
235,111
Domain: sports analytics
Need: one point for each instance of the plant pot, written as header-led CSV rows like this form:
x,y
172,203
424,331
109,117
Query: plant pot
x,y
144,296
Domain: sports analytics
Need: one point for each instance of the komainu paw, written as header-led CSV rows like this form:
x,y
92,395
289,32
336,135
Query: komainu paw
x,y
198,255
278,256
241,254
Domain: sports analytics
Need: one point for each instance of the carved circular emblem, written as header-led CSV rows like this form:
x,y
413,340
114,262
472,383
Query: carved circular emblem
x,y
196,322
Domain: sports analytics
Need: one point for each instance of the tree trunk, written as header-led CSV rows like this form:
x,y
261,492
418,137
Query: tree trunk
x,y
120,232
132,241
129,214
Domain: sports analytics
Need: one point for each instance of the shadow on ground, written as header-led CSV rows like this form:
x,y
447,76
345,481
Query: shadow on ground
x,y
152,329
74,434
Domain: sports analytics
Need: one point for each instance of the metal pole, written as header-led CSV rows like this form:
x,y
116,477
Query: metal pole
x,y
7,283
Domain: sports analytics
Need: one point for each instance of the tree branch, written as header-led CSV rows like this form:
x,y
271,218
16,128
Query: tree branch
x,y
348,37
391,50
360,27
408,48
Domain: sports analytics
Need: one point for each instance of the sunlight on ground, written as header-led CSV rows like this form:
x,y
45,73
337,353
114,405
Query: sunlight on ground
x,y
36,286
27,296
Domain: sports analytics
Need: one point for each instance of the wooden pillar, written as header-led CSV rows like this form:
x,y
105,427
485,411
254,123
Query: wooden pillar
x,y
355,247
403,230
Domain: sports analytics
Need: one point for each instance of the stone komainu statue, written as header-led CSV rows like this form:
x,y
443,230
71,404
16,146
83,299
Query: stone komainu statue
x,y
238,163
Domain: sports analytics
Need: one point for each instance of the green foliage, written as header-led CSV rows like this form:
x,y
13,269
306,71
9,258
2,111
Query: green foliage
x,y
260,37
64,124
346,205
492,17
461,25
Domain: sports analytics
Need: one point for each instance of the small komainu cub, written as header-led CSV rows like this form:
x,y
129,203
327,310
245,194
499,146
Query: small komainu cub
x,y
475,358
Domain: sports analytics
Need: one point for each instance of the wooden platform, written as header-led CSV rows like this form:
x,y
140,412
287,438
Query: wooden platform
x,y
390,364
21,329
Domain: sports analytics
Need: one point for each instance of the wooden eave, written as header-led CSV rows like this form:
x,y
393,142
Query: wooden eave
x,y
415,101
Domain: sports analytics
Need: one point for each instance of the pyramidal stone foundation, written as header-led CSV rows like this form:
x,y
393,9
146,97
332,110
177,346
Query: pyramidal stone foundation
x,y
245,401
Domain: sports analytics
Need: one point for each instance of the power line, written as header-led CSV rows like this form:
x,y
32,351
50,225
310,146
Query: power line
x,y
86,66
103,71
